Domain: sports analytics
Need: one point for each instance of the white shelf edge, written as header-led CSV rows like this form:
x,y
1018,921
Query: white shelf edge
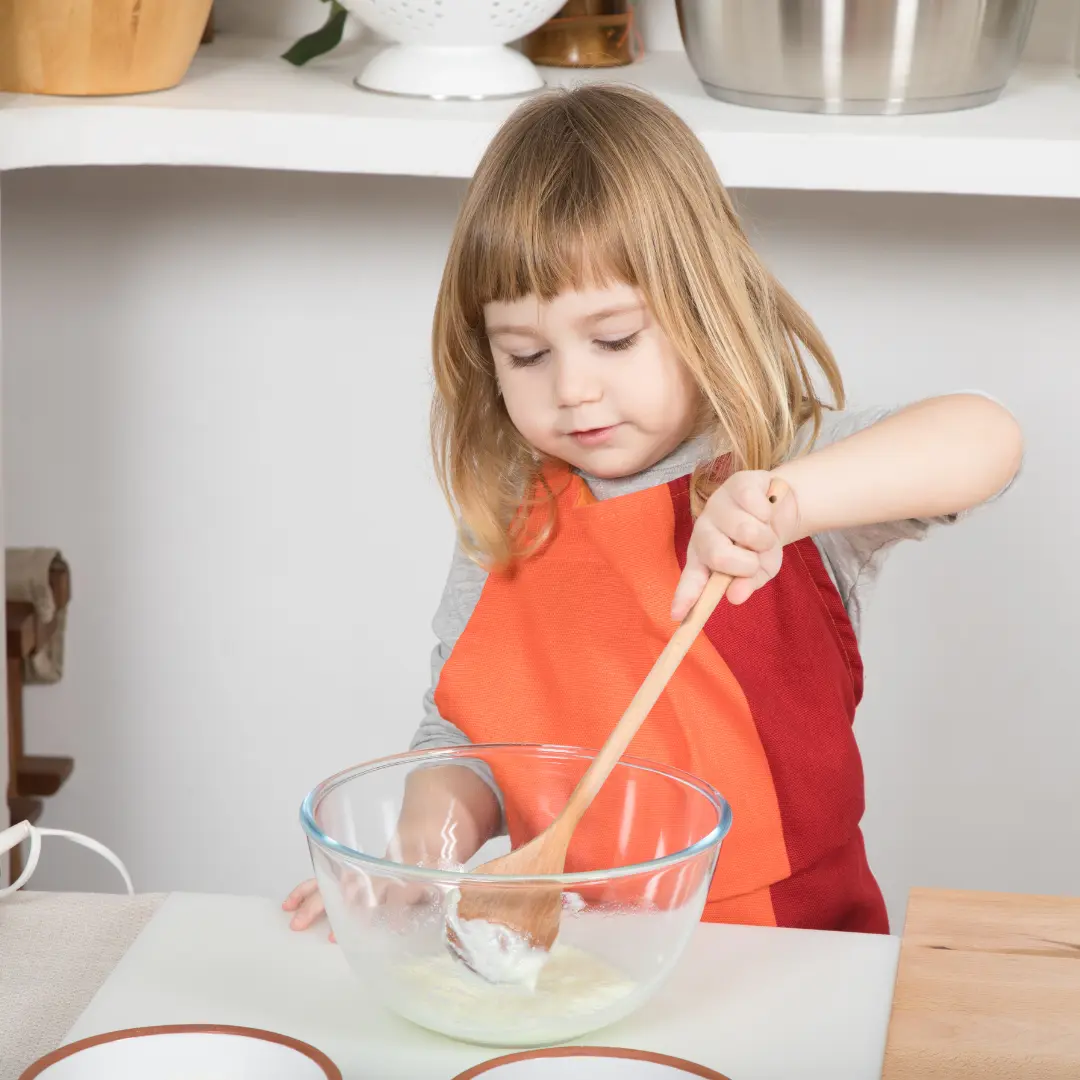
x,y
242,107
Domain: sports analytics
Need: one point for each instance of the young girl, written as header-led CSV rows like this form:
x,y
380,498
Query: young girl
x,y
618,380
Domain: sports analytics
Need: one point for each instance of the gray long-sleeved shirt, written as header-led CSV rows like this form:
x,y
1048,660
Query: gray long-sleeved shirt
x,y
852,557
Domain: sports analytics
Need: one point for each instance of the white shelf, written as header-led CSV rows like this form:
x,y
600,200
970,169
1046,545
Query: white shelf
x,y
241,106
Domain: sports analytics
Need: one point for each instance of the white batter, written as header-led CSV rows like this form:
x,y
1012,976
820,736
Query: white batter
x,y
494,951
572,987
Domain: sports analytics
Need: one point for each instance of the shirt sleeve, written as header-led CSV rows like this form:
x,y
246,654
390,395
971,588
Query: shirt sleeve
x,y
854,557
464,584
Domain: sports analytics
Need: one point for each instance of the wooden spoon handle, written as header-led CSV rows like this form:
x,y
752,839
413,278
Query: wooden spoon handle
x,y
650,690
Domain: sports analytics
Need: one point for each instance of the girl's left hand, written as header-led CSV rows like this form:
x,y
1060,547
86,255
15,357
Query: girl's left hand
x,y
739,533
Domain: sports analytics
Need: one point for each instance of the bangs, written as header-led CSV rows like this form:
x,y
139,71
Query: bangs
x,y
562,249
549,227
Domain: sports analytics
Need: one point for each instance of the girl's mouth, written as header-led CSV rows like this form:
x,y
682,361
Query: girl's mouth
x,y
594,436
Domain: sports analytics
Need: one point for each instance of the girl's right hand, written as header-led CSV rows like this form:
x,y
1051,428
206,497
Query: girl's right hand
x,y
441,802
306,902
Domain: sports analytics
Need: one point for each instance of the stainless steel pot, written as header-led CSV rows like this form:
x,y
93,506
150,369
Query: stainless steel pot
x,y
855,56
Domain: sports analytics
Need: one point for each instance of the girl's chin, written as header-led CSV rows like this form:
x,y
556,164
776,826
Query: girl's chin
x,y
611,464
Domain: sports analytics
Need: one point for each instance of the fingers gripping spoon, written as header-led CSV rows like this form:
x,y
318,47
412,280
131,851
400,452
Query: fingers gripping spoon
x,y
505,934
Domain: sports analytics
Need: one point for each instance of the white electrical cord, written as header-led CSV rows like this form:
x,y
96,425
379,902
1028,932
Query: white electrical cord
x,y
9,838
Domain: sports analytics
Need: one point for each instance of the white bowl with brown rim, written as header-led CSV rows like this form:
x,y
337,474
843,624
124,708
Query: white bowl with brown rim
x,y
588,1063
181,1052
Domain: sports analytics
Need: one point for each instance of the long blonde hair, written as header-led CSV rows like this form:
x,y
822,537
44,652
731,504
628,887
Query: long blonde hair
x,y
598,184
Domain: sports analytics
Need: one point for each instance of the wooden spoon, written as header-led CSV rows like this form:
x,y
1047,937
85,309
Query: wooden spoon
x,y
532,912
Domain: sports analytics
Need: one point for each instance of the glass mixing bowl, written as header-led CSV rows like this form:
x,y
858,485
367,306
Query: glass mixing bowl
x,y
637,875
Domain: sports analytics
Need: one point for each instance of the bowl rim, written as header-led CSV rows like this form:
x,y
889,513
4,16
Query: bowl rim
x,y
675,1064
312,1053
712,839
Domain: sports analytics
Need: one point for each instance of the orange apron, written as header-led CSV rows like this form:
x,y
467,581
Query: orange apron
x,y
761,708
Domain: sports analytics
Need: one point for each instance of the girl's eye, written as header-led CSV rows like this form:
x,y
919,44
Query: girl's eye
x,y
527,361
620,344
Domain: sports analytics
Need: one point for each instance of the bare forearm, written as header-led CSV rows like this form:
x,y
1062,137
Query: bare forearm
x,y
935,458
447,815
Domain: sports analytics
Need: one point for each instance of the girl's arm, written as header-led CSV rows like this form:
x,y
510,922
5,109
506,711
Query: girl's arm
x,y
930,460
449,812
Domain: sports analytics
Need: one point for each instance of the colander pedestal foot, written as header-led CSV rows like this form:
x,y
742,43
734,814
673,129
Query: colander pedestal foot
x,y
450,73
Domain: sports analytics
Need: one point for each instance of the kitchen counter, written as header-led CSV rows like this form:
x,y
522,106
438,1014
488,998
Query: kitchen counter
x,y
754,1003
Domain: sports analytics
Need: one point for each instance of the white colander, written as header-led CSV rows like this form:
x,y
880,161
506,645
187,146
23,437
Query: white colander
x,y
452,48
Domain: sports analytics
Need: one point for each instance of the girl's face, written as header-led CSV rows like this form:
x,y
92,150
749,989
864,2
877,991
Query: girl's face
x,y
591,379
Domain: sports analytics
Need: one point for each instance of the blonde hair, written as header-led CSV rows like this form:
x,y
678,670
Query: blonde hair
x,y
599,184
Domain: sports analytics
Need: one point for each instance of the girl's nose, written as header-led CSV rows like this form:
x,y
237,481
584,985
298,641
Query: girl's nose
x,y
575,382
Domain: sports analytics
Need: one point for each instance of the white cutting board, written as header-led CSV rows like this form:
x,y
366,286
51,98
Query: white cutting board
x,y
752,1003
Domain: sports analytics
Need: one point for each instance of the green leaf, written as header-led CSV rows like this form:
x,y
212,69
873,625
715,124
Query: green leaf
x,y
320,41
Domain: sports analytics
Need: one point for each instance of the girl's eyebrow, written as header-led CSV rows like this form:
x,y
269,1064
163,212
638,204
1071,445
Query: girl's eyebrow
x,y
607,313
523,331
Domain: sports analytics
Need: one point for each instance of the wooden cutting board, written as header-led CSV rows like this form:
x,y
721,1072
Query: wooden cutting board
x,y
988,987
